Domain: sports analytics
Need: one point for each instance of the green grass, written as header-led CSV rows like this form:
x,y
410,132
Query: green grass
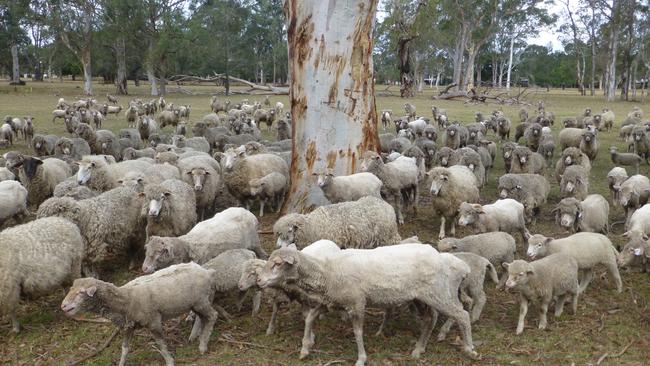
x,y
606,322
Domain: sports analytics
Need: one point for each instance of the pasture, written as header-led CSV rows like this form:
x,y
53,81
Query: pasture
x,y
609,328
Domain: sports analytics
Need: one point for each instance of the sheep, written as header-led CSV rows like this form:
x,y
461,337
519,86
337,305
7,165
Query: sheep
x,y
170,208
271,187
44,145
571,156
429,149
455,137
410,110
399,180
110,223
630,190
74,147
570,137
507,148
6,174
365,223
108,144
348,187
472,286
520,130
133,135
589,215
217,106
615,178
147,301
532,135
132,154
95,172
97,118
70,188
7,133
503,128
449,188
636,251
625,159
59,113
497,247
37,258
574,183
386,118
471,159
530,189
546,146
589,145
204,174
284,130
588,249
29,130
234,228
41,176
607,118
279,108
168,118
146,126
638,225
262,115
523,114
349,270
526,161
503,215
552,278
13,201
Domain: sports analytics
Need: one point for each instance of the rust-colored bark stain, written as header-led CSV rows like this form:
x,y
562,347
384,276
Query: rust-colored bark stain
x,y
337,64
302,38
321,52
331,159
310,156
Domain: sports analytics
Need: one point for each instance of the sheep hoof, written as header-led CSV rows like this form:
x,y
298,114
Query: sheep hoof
x,y
441,337
416,353
304,352
473,355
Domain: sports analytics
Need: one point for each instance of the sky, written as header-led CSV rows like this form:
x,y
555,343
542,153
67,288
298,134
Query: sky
x,y
549,35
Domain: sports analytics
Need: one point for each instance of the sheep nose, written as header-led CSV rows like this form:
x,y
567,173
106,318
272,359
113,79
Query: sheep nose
x,y
503,194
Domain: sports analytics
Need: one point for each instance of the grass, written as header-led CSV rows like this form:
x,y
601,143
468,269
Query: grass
x,y
606,322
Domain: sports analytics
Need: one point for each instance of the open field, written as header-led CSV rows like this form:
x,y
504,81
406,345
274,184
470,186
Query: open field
x,y
607,323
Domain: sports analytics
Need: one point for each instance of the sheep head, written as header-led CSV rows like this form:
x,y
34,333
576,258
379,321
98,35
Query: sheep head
x,y
519,273
468,213
280,268
637,248
538,246
79,296
568,213
199,177
287,229
159,253
30,166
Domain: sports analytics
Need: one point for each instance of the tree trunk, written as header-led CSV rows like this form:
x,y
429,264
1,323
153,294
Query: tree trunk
x,y
459,52
86,51
15,65
592,87
468,81
87,69
406,72
120,54
512,47
332,95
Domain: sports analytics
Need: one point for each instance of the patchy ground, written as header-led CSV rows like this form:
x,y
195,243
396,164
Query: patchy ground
x,y
609,327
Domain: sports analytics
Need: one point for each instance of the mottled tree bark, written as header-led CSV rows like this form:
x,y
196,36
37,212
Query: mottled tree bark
x,y
120,55
15,65
332,95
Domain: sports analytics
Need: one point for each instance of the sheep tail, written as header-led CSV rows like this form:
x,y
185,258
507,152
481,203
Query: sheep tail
x,y
493,273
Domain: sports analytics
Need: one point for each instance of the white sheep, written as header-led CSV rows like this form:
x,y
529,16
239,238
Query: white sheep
x,y
639,223
348,187
590,214
503,215
37,258
170,208
40,177
552,278
574,182
271,187
588,249
440,276
13,201
234,228
147,301
615,179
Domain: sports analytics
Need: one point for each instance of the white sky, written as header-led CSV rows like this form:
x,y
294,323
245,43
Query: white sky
x,y
549,35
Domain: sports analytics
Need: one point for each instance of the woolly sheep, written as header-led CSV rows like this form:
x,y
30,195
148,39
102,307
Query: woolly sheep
x,y
37,258
497,247
639,223
349,187
399,180
44,145
590,214
170,208
631,190
520,130
526,161
503,128
7,133
530,189
552,278
168,118
455,136
503,215
589,145
13,201
365,223
147,301
271,187
570,137
284,130
196,143
607,118
449,188
349,270
132,135
636,251
6,174
234,228
410,110
70,188
588,249
41,176
574,183
625,159
571,156
532,135
615,179
95,172
507,148
74,147
132,154
546,145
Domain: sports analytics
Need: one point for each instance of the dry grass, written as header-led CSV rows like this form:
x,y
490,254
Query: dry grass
x,y
607,323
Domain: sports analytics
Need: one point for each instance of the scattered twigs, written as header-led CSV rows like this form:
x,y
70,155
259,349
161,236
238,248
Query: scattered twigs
x,y
98,350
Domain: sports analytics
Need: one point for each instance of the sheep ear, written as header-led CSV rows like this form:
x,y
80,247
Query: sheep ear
x,y
530,272
548,240
626,234
288,259
141,194
505,265
167,194
454,246
90,291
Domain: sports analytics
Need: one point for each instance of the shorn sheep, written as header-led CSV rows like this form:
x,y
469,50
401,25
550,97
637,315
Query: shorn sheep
x,y
148,300
366,223
348,187
37,258
589,215
503,215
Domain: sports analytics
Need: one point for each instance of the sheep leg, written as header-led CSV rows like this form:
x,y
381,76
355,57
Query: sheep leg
x,y
441,235
262,208
308,336
543,309
384,321
478,295
398,206
559,305
587,276
442,335
453,309
574,302
357,327
430,318
257,301
162,345
452,229
241,296
223,312
128,334
274,316
15,324
612,268
523,310
208,317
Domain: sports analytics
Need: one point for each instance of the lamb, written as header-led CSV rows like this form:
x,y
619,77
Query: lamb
x,y
552,278
271,187
503,215
41,176
366,223
147,301
625,159
615,178
170,208
7,133
262,115
526,161
630,191
240,169
638,226
74,147
168,118
399,180
349,187
234,228
110,224
574,183
588,249
13,201
449,188
503,128
37,258
546,145
607,118
530,189
570,137
532,135
442,274
506,153
589,215
472,286
44,145
386,118
589,145
497,247
204,174
59,113
571,156
29,130
410,110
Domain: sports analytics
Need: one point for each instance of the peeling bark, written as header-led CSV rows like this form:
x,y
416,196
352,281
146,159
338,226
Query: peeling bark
x,y
120,55
331,91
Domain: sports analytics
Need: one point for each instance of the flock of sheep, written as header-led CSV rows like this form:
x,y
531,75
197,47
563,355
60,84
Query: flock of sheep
x,y
170,204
